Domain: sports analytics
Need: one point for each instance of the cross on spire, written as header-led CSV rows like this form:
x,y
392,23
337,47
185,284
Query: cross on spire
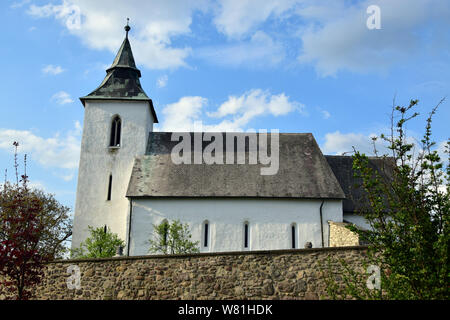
x,y
127,27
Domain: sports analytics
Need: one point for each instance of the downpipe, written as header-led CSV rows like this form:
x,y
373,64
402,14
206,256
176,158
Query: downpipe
x,y
321,223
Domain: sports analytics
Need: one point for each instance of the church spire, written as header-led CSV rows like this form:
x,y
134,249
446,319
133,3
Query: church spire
x,y
124,58
127,27
122,78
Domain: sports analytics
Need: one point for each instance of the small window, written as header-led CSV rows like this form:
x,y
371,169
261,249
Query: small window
x,y
109,187
293,236
115,132
246,235
205,233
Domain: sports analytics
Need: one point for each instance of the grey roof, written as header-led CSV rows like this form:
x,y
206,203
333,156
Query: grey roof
x,y
342,167
122,80
303,173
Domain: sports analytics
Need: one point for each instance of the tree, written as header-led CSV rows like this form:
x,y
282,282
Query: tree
x,y
33,230
172,238
102,243
409,215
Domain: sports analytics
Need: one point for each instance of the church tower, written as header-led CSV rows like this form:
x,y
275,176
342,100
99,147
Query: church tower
x,y
118,118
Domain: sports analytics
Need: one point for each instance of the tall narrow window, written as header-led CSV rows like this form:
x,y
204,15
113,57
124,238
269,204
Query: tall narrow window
x,y
246,238
205,233
109,187
293,236
115,132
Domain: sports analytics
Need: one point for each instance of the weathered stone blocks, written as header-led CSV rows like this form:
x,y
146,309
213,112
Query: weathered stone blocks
x,y
280,274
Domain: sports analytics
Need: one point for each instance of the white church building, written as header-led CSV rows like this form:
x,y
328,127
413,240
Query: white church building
x,y
129,182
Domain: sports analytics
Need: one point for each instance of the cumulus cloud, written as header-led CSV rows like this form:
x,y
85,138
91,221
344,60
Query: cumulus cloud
x,y
57,152
62,98
53,70
337,38
181,115
155,23
234,114
67,12
331,35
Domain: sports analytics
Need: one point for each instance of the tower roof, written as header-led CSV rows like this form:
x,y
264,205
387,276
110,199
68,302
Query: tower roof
x,y
122,79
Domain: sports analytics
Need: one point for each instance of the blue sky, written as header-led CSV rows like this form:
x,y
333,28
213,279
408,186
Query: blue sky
x,y
292,65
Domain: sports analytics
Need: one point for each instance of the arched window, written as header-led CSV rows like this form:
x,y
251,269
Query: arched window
x,y
116,127
206,233
293,236
246,235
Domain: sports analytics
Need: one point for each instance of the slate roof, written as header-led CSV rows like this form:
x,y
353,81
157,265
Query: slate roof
x,y
122,80
303,173
342,167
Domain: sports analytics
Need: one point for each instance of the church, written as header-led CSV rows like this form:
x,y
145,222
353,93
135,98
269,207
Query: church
x,y
128,181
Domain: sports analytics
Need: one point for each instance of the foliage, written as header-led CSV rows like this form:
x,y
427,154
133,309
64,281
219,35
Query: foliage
x,y
33,230
102,243
172,238
409,218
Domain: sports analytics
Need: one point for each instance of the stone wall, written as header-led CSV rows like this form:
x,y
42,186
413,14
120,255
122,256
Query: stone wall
x,y
280,274
341,236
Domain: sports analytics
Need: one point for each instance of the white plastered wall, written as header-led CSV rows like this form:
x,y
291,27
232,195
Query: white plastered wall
x,y
270,221
98,161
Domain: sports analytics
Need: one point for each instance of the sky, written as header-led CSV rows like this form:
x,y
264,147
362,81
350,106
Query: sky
x,y
329,67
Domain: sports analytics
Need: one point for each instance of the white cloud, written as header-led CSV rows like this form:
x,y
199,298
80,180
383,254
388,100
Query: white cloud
x,y
257,102
67,12
53,70
181,115
58,152
441,149
259,51
154,24
235,113
236,18
339,143
62,98
333,34
337,38
36,184
162,81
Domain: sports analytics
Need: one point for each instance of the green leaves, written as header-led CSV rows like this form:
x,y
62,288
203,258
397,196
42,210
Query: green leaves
x,y
409,218
172,238
100,244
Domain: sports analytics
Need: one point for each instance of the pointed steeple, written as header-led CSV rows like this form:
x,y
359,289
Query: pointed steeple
x,y
124,58
122,79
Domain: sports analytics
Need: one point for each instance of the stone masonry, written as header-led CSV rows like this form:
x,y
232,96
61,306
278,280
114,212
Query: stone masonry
x,y
279,274
341,236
